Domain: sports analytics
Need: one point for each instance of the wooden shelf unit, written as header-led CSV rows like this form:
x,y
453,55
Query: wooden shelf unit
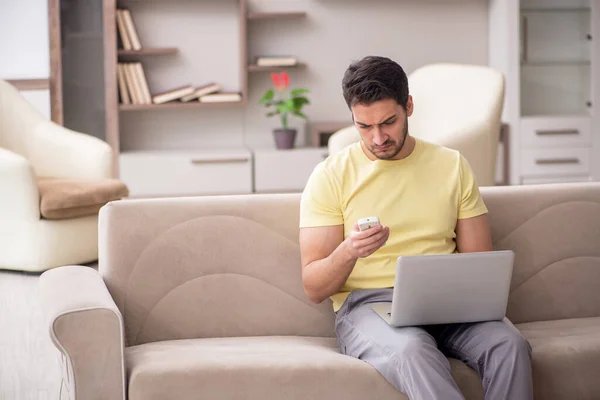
x,y
148,51
261,68
176,104
254,16
113,55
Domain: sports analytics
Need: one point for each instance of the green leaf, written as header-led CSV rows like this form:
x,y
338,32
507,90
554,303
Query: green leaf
x,y
299,102
282,108
299,114
298,92
267,97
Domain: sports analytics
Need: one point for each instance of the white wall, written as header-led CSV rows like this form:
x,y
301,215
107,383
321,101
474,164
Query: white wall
x,y
335,32
24,52
24,39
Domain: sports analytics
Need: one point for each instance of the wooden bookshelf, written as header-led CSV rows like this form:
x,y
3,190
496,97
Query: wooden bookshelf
x,y
261,68
149,52
175,104
275,15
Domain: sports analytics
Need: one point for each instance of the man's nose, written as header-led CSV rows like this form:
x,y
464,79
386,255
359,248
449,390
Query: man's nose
x,y
378,136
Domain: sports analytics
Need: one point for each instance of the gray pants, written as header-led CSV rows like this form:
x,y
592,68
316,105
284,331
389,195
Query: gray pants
x,y
414,360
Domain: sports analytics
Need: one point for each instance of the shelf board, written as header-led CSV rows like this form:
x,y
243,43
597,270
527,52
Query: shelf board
x,y
148,51
253,16
30,84
260,68
176,104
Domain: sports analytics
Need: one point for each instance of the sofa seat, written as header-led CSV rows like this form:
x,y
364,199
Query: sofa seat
x,y
566,356
275,367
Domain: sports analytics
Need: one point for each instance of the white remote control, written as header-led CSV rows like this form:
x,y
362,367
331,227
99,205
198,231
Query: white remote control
x,y
366,223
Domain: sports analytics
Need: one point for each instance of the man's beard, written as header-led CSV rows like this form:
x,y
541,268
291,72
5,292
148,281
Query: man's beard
x,y
395,147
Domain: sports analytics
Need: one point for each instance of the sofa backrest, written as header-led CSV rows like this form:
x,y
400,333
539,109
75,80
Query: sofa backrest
x,y
554,231
230,265
208,267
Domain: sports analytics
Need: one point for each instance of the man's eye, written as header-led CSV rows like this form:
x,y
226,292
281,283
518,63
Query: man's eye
x,y
390,122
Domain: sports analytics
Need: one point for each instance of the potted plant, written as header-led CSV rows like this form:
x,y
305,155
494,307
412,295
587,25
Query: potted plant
x,y
284,102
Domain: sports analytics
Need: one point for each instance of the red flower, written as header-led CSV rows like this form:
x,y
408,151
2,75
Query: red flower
x,y
281,80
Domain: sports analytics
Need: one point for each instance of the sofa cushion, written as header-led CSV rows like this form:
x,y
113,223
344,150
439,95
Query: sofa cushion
x,y
566,356
71,198
272,367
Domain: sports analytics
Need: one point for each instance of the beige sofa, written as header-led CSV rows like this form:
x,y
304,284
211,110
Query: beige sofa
x,y
202,298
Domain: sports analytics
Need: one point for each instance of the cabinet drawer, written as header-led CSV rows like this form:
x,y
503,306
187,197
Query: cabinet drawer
x,y
555,162
556,132
285,170
166,173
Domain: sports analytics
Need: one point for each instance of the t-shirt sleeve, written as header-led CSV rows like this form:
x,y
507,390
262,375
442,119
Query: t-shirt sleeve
x,y
320,203
471,203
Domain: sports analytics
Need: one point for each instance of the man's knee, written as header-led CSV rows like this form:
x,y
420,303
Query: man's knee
x,y
412,348
511,345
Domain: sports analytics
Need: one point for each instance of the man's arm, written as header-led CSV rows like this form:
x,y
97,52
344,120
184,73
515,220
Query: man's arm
x,y
473,235
328,259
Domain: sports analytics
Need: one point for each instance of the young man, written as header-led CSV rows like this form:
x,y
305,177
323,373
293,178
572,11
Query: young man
x,y
428,202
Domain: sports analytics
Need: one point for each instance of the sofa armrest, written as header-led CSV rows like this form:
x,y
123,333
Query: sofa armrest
x,y
20,198
87,328
62,153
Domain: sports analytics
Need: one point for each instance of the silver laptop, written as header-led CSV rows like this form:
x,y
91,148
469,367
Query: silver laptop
x,y
449,288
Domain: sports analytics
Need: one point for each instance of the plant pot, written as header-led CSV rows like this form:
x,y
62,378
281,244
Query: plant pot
x,y
284,138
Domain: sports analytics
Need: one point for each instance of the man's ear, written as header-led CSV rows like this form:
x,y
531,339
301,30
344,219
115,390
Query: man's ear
x,y
409,106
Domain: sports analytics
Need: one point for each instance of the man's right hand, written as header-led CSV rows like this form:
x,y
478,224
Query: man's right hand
x,y
363,244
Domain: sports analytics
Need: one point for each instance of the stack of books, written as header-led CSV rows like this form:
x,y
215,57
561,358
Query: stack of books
x,y
133,85
209,93
128,34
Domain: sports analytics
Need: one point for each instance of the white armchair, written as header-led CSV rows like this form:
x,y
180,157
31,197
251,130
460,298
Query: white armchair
x,y
457,106
32,147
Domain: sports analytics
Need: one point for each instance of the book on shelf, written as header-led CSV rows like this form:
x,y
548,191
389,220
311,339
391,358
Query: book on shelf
x,y
173,94
143,83
130,83
123,93
133,86
224,97
122,30
276,61
202,91
127,30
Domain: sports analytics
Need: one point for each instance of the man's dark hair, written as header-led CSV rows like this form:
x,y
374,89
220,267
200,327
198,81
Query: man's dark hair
x,y
375,78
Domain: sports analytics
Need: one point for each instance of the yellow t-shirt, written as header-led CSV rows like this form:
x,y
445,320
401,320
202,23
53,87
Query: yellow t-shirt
x,y
419,197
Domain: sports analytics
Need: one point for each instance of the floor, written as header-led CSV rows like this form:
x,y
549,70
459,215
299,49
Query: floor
x,y
29,367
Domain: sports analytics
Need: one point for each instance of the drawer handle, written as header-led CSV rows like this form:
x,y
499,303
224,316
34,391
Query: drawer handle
x,y
557,161
558,132
221,160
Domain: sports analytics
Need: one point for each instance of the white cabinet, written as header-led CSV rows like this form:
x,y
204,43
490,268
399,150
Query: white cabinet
x,y
285,170
177,173
549,52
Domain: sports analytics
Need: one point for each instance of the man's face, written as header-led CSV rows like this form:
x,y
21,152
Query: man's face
x,y
382,126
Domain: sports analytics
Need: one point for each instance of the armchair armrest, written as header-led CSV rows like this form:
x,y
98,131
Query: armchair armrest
x,y
20,199
60,152
87,328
